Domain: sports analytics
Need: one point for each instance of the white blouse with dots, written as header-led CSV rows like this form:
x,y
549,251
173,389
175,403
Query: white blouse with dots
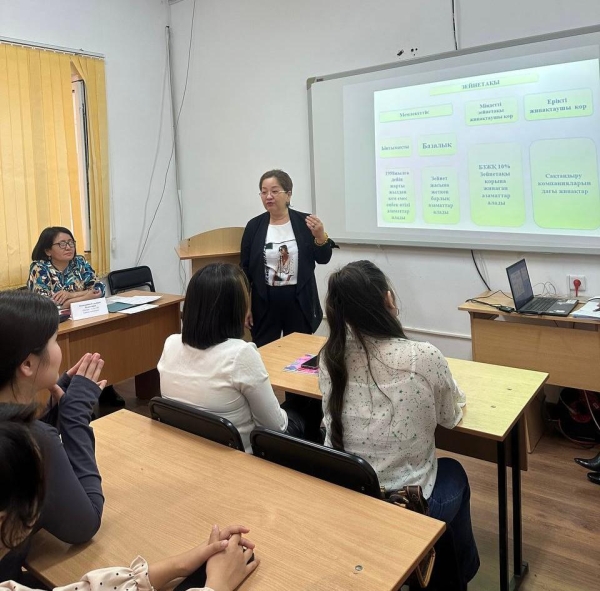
x,y
134,578
389,417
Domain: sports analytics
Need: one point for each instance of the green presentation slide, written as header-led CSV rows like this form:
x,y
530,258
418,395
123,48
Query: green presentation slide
x,y
511,151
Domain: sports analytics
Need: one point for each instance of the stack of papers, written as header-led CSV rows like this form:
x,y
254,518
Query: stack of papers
x,y
590,310
131,304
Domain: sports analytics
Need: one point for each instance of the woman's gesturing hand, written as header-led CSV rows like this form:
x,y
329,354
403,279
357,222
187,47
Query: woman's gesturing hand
x,y
315,225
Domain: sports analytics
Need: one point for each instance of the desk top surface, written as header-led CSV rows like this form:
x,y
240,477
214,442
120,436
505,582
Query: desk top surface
x,y
73,325
496,395
164,489
502,299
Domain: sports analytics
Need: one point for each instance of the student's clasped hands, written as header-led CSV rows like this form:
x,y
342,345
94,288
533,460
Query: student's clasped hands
x,y
89,366
228,555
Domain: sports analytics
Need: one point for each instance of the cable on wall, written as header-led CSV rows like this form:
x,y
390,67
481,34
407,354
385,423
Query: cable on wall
x,y
154,162
478,271
174,136
454,28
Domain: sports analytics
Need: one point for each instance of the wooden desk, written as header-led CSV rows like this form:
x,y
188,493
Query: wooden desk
x,y
130,344
566,348
496,399
164,489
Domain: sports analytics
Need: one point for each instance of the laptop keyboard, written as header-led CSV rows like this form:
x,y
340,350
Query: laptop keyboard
x,y
540,304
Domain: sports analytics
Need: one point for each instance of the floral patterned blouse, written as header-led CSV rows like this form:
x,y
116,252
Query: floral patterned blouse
x,y
46,280
390,414
134,578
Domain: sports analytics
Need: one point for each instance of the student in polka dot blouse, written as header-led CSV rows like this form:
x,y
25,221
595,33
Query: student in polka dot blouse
x,y
384,395
227,554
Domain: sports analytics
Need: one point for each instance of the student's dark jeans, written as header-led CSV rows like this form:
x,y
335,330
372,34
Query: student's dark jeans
x,y
450,502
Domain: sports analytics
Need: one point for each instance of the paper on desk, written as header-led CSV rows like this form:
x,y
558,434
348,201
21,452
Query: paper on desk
x,y
590,310
133,300
140,308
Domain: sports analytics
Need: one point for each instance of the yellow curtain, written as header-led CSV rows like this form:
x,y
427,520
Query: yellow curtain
x,y
91,71
38,158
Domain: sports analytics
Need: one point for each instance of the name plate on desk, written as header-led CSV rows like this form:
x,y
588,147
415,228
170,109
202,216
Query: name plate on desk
x,y
88,309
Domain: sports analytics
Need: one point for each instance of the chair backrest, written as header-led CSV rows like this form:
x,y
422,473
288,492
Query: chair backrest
x,y
125,279
196,421
322,462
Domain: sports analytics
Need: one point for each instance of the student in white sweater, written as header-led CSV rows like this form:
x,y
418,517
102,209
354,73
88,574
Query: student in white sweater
x,y
209,366
384,395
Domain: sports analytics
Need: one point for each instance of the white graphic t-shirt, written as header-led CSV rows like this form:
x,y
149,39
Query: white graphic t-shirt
x,y
281,256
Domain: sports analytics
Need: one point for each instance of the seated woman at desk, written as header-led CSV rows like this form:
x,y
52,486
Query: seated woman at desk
x,y
22,494
30,358
384,395
57,271
210,367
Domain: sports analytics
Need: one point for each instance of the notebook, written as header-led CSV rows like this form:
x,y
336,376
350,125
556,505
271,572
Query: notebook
x,y
526,302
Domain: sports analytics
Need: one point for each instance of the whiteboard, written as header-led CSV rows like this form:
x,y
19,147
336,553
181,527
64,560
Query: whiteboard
x,y
494,147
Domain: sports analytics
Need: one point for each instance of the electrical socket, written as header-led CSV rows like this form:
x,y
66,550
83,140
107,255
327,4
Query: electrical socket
x,y
571,278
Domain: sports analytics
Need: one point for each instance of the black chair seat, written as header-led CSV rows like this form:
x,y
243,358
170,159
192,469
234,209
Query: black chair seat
x,y
125,279
195,421
338,467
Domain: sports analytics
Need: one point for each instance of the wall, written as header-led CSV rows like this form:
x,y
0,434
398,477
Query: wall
x,y
246,112
130,34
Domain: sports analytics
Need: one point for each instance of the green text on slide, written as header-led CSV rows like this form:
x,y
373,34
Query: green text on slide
x,y
442,144
496,185
399,147
559,105
485,83
492,111
564,178
398,196
440,195
416,113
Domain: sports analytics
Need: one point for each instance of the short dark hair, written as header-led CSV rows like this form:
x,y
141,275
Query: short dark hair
x,y
46,240
27,322
21,473
216,304
282,177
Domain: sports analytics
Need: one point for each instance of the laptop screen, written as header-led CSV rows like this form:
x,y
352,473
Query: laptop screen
x,y
520,284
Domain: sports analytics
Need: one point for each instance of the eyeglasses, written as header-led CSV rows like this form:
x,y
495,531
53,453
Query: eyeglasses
x,y
273,192
64,243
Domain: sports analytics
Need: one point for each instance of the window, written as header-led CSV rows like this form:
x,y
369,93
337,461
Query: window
x,y
43,174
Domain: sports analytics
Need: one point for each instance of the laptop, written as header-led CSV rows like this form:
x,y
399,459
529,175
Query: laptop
x,y
526,302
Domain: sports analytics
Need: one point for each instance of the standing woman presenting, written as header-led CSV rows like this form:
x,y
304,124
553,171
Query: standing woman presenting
x,y
280,249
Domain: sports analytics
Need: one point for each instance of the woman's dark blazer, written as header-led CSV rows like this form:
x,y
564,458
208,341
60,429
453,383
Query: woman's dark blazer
x,y
253,265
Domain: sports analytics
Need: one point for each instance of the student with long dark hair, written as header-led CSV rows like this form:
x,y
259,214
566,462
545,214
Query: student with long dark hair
x,y
384,395
209,366
22,496
30,358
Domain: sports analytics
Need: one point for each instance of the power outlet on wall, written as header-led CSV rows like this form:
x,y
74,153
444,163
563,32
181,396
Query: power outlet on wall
x,y
572,278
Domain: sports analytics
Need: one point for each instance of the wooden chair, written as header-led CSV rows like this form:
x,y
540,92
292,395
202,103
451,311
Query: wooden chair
x,y
125,279
195,421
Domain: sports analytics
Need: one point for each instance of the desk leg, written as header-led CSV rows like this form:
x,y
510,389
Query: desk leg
x,y
503,516
520,567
